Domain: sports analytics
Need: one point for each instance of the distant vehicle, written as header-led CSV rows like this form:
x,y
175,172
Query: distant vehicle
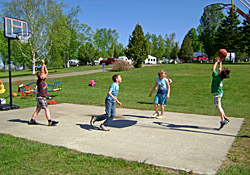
x,y
74,62
200,57
109,61
38,66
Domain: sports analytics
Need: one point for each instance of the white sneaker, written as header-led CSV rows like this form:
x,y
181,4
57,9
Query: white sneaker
x,y
102,127
159,116
155,114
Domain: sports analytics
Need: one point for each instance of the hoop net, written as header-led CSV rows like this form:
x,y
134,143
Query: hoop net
x,y
24,37
213,12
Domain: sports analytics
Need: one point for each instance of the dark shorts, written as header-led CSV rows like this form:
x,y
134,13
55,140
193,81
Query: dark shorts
x,y
41,102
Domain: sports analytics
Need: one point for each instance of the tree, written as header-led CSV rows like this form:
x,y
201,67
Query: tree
x,y
209,23
74,27
161,48
228,35
174,52
60,37
137,49
149,43
192,33
245,29
87,53
186,50
106,40
86,34
169,44
158,46
4,50
40,15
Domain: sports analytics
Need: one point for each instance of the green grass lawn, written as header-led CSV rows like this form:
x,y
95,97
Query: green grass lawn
x,y
190,93
28,72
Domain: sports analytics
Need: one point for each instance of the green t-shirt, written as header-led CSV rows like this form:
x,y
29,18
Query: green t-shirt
x,y
217,84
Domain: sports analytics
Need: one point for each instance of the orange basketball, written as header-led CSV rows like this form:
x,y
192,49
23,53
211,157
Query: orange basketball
x,y
222,53
14,94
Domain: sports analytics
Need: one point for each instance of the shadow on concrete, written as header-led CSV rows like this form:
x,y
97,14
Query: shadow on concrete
x,y
114,124
88,127
137,116
24,121
187,128
122,123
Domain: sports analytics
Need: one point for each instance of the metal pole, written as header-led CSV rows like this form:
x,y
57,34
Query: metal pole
x,y
10,84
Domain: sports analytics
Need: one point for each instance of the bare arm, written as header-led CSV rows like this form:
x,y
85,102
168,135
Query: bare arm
x,y
220,65
44,71
170,81
153,89
217,60
168,86
110,94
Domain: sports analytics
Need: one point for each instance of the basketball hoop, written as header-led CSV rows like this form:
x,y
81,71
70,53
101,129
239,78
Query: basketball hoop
x,y
212,12
23,37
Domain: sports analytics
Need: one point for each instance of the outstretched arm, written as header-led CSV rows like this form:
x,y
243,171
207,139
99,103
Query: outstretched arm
x,y
220,65
217,60
44,71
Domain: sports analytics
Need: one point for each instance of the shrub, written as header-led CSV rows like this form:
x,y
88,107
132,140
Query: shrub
x,y
121,65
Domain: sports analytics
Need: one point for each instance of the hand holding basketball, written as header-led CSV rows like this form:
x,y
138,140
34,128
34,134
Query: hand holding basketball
x,y
222,53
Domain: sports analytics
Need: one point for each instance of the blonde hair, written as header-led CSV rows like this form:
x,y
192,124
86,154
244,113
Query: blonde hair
x,y
162,72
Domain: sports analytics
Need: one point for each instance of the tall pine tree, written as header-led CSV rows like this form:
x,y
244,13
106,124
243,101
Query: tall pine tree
x,y
245,29
137,49
228,35
186,51
209,23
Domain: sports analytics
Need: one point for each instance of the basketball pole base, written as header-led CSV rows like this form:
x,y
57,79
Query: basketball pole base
x,y
5,107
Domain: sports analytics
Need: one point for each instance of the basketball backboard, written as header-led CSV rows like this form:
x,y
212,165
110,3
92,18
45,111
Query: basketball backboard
x,y
13,27
235,5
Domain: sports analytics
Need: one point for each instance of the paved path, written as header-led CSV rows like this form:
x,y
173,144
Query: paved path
x,y
179,141
34,78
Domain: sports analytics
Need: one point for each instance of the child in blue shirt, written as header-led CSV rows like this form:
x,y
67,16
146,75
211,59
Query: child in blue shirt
x,y
163,93
110,104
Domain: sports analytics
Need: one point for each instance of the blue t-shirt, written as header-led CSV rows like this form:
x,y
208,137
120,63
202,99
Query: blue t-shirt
x,y
162,86
115,89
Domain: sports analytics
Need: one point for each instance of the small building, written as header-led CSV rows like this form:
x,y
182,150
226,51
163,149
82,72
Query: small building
x,y
151,60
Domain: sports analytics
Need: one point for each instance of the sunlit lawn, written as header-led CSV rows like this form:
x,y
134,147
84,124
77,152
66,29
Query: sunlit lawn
x,y
190,93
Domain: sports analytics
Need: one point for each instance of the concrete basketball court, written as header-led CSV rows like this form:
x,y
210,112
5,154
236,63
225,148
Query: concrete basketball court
x,y
179,141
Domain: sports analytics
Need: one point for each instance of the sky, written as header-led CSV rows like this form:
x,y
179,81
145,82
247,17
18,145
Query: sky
x,y
158,17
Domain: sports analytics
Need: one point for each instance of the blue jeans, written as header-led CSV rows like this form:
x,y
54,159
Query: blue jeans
x,y
110,112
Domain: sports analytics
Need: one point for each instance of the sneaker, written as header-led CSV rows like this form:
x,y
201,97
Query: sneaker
x,y
32,122
102,127
155,114
53,123
227,120
92,121
222,124
159,116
